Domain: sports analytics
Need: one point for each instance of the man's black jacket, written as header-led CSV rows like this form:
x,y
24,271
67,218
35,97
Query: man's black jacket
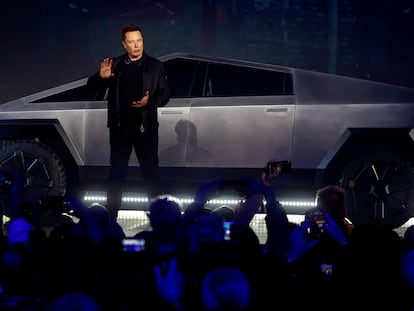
x,y
154,80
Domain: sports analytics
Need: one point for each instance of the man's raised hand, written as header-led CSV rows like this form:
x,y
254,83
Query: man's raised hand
x,y
105,70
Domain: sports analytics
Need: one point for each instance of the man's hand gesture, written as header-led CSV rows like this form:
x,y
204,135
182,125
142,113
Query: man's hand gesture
x,y
142,102
105,70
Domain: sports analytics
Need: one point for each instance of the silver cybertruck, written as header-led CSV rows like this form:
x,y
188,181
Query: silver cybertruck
x,y
228,118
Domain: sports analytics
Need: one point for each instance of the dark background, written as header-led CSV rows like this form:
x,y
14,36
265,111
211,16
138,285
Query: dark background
x,y
46,43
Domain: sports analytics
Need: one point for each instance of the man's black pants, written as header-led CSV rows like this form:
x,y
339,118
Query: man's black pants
x,y
145,144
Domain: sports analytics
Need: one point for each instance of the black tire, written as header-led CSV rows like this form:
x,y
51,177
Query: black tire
x,y
43,170
379,189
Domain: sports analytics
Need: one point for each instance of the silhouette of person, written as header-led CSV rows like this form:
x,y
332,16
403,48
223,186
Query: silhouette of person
x,y
187,147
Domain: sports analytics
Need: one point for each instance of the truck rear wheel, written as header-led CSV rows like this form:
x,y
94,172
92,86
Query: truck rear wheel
x,y
43,170
379,189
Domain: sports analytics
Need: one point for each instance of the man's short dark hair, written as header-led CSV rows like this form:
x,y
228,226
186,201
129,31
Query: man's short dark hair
x,y
331,198
129,28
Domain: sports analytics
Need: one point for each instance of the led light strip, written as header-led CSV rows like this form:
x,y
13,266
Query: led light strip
x,y
136,198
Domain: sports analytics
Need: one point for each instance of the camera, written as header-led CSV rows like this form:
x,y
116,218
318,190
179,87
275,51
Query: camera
x,y
56,203
133,245
5,180
278,167
317,222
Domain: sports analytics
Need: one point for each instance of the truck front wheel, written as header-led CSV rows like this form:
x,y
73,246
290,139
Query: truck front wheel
x,y
41,167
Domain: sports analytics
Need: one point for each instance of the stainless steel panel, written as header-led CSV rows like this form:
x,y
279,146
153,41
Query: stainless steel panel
x,y
318,127
238,135
72,122
174,130
96,138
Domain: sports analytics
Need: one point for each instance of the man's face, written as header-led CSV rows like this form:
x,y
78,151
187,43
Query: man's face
x,y
134,44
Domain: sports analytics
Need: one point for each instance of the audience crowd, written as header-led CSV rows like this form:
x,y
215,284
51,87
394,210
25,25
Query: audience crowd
x,y
189,259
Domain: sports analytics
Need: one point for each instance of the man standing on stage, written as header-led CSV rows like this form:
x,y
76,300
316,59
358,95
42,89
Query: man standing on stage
x,y
137,84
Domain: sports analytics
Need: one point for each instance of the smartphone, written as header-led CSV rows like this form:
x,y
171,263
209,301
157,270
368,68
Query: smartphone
x,y
317,222
133,245
227,230
56,203
278,167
